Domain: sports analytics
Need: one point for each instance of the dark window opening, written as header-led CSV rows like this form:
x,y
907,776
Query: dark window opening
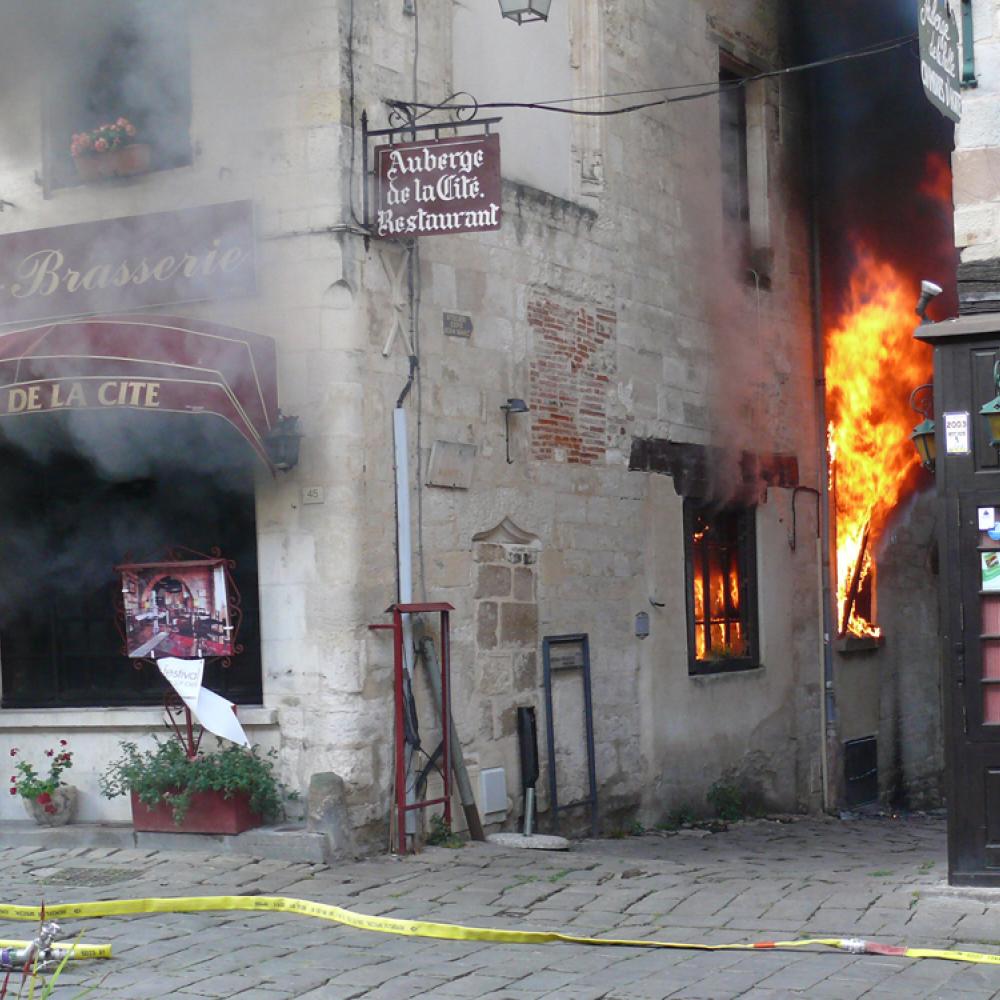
x,y
68,521
131,61
733,151
721,588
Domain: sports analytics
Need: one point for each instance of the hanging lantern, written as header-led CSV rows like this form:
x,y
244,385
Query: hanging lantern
x,y
282,443
925,443
991,411
525,11
921,400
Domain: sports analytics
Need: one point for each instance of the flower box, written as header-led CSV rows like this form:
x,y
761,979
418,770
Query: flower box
x,y
123,162
209,812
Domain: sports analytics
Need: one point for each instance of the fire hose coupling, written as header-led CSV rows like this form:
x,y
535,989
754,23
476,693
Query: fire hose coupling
x,y
854,946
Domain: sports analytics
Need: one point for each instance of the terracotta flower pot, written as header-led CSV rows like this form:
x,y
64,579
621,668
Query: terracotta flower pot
x,y
122,162
53,809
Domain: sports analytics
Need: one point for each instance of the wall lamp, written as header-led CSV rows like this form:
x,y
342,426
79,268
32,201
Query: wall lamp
x,y
921,401
928,291
525,11
282,443
511,406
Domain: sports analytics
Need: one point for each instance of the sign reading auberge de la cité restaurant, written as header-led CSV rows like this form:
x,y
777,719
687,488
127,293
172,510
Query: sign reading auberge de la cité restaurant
x,y
438,188
117,265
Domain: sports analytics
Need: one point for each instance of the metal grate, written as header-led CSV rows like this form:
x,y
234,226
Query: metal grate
x,y
87,876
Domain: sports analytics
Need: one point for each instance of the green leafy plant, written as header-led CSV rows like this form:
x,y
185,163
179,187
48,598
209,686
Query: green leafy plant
x,y
726,801
29,784
165,774
440,834
676,818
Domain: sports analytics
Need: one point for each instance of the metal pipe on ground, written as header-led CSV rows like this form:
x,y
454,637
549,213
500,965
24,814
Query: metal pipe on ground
x,y
432,670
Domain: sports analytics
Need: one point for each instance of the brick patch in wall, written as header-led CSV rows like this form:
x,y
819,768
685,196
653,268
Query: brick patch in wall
x,y
572,367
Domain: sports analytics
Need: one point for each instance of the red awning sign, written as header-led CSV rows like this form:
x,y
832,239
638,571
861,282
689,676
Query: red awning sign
x,y
163,363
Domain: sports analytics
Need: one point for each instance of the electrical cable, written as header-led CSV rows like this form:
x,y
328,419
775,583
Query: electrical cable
x,y
706,89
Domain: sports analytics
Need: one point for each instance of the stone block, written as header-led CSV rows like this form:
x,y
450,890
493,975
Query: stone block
x,y
975,224
518,624
327,814
496,674
486,625
526,671
493,581
524,584
486,553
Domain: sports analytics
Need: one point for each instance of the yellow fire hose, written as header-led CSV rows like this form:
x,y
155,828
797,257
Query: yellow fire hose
x,y
426,929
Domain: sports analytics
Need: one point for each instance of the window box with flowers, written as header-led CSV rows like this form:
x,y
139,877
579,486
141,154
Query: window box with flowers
x,y
110,150
225,791
48,800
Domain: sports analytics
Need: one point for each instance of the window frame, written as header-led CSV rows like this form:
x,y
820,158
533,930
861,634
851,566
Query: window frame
x,y
57,172
747,561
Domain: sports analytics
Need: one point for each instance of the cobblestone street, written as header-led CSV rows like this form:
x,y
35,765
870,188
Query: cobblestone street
x,y
876,878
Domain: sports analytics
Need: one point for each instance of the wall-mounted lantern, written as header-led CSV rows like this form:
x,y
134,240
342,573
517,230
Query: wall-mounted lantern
x,y
282,443
525,11
991,411
511,406
921,400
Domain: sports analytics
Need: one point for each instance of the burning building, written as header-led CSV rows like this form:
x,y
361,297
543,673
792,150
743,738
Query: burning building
x,y
610,385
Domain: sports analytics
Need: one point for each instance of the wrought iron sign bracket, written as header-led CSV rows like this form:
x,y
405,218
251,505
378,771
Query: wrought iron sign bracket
x,y
406,124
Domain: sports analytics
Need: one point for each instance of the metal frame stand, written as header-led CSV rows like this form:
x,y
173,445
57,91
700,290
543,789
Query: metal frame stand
x,y
583,640
398,611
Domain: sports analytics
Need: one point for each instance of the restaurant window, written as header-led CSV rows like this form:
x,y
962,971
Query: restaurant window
x,y
68,521
131,60
720,553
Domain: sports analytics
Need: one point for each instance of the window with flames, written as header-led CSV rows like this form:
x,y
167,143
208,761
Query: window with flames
x,y
721,588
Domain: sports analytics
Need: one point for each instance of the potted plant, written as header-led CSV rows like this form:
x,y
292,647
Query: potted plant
x,y
48,800
227,790
110,150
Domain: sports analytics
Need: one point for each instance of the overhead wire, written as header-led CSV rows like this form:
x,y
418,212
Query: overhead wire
x,y
710,89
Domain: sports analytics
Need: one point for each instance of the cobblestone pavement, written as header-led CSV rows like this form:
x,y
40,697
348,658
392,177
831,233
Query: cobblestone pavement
x,y
881,879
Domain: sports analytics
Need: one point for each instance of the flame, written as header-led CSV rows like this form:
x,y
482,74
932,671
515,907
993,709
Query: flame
x,y
711,622
872,365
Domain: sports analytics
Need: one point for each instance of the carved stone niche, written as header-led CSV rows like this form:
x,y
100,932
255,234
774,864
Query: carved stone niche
x,y
506,602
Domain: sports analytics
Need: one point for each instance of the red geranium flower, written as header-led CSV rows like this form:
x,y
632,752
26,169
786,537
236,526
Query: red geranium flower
x,y
63,743
44,798
50,809
13,791
50,753
13,751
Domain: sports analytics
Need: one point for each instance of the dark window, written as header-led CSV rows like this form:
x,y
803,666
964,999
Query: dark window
x,y
721,588
733,150
130,60
69,519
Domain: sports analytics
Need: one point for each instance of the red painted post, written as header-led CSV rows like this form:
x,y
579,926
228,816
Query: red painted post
x,y
397,636
446,712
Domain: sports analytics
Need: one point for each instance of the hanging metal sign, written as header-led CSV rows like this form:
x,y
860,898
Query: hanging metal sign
x,y
437,188
940,66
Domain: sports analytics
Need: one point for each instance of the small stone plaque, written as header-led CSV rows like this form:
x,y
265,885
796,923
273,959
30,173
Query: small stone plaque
x,y
457,325
451,465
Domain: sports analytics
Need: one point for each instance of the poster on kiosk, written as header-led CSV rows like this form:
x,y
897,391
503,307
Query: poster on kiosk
x,y
177,613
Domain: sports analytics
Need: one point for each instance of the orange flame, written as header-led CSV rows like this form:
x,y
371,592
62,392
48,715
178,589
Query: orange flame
x,y
873,364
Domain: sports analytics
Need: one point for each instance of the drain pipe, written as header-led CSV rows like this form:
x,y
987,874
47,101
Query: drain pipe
x,y
404,563
828,704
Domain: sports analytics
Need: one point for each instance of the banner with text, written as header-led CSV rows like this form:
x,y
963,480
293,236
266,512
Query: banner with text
x,y
116,265
438,188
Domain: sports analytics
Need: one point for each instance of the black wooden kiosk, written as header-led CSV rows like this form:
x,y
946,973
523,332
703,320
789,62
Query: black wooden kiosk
x,y
966,352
